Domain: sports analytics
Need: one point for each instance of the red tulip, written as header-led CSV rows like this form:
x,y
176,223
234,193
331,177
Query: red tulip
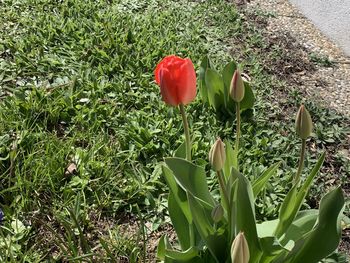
x,y
177,80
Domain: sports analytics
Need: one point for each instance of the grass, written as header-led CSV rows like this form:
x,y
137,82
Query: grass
x,y
77,88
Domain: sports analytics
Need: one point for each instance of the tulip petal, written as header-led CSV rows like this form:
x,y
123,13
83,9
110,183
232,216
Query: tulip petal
x,y
177,80
167,88
187,82
164,63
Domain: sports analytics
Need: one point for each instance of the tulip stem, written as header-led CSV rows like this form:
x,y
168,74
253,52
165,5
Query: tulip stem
x,y
187,132
226,199
223,188
301,161
238,129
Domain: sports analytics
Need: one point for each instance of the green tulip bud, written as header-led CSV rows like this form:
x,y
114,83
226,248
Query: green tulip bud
x,y
303,123
240,249
217,155
237,87
217,213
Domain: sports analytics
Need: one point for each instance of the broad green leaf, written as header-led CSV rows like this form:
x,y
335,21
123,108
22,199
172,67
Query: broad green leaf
x,y
215,241
270,248
294,200
227,75
243,204
161,248
182,256
336,257
231,159
201,218
192,260
163,245
286,215
303,223
267,228
324,239
180,223
215,85
261,181
191,178
178,193
181,151
249,98
202,87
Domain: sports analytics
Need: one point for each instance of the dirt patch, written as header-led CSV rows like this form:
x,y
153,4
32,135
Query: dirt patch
x,y
295,52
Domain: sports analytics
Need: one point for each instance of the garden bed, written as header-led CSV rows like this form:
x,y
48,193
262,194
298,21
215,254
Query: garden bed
x,y
83,127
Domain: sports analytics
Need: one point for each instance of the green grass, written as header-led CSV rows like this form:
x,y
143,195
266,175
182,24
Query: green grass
x,y
77,86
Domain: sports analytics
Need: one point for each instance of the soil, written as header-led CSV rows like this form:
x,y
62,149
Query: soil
x,y
312,63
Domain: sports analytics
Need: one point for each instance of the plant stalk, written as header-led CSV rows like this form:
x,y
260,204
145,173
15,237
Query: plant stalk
x,y
238,129
187,132
225,198
301,161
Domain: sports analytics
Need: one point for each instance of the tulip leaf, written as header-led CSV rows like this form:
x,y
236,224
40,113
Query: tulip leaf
x,y
249,98
271,248
214,240
181,151
227,75
231,159
203,89
261,181
163,244
294,199
328,231
178,193
180,223
303,223
243,210
215,85
182,256
191,178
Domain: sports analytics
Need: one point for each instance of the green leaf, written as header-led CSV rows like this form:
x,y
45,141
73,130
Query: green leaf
x,y
178,193
214,240
261,181
227,75
191,178
270,247
249,98
303,223
294,200
324,239
180,223
215,87
203,90
161,248
181,151
244,213
202,217
182,256
231,159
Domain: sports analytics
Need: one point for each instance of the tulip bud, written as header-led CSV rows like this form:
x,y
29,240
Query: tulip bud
x,y
303,123
217,155
217,213
237,87
240,249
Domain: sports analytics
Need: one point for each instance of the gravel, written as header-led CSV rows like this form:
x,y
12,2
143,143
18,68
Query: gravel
x,y
329,83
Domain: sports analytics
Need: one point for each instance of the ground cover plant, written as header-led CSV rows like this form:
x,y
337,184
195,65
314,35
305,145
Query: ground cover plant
x,y
83,130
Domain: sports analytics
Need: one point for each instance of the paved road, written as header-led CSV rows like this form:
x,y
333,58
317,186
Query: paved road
x,y
332,17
